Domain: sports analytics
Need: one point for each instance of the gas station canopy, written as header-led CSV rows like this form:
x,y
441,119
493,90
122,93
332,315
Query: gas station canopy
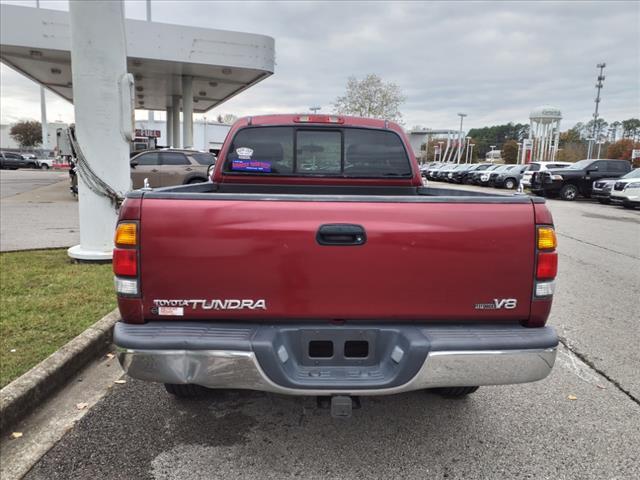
x,y
37,43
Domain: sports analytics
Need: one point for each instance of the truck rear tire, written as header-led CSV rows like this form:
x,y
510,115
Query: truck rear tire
x,y
569,192
454,392
44,166
185,391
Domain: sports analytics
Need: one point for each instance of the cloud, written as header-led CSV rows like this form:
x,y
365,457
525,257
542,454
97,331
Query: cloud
x,y
493,60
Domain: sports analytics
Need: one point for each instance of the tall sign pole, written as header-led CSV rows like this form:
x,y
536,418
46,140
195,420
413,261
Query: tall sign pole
x,y
595,129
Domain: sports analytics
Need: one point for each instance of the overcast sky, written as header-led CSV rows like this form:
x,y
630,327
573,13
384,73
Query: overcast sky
x,y
494,61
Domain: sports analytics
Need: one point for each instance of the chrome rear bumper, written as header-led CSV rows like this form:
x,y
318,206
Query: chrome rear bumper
x,y
229,369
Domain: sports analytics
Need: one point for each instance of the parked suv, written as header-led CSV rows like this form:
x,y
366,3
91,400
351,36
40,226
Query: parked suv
x,y
627,190
578,179
602,188
540,167
460,175
508,178
13,161
164,168
433,170
482,178
474,175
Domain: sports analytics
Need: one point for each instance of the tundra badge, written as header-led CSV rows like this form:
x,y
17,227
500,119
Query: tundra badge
x,y
215,304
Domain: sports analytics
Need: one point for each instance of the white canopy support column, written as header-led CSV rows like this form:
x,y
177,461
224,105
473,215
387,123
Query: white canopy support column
x,y
187,111
176,121
169,125
43,119
102,96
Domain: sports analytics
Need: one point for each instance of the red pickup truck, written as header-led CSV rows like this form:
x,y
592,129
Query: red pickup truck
x,y
316,263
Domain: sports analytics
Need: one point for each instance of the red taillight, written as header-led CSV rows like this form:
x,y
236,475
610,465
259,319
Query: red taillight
x,y
125,262
547,266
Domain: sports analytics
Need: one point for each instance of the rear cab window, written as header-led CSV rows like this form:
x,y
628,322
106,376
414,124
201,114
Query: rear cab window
x,y
303,151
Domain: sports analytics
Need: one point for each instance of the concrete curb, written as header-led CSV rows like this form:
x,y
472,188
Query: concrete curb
x,y
26,392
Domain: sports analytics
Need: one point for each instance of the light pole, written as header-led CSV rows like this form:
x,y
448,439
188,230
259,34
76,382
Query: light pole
x,y
600,142
518,154
440,151
204,142
472,145
466,158
599,86
315,109
461,115
426,150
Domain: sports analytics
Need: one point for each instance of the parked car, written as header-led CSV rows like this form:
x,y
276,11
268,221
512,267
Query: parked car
x,y
45,163
432,170
13,161
301,270
170,167
508,178
442,173
577,179
483,177
461,174
627,190
451,173
486,179
540,167
424,167
473,178
439,173
601,189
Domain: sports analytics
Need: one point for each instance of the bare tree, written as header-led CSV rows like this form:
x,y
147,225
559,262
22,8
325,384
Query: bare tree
x,y
371,97
227,118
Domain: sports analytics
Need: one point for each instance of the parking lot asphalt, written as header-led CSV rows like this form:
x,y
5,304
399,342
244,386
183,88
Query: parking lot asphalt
x,y
13,182
37,210
583,421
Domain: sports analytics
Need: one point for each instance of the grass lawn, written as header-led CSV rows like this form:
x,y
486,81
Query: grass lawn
x,y
45,301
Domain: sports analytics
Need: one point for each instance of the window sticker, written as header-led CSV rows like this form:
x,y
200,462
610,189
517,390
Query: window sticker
x,y
244,153
250,165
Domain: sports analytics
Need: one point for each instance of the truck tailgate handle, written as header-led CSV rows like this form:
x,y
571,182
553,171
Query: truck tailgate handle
x,y
341,234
